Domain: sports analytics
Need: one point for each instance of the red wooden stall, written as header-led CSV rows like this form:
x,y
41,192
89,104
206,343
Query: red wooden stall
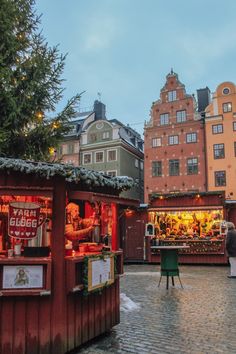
x,y
195,219
47,306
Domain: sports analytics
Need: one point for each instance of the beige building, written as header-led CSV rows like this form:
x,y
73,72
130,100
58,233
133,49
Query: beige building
x,y
220,129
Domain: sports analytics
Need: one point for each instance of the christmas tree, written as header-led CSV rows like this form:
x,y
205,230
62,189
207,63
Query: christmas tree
x,y
30,86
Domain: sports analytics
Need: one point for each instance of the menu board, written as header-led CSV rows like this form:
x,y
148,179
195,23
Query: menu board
x,y
100,272
22,277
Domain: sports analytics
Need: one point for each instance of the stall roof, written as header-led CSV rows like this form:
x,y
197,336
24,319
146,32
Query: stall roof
x,y
71,174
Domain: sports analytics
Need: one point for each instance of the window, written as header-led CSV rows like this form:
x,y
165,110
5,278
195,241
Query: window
x,y
226,91
156,168
156,142
174,167
234,126
235,148
180,116
105,135
141,165
191,138
217,129
136,163
111,173
70,149
220,178
219,151
192,166
93,137
99,156
171,96
87,158
164,119
173,140
111,155
227,107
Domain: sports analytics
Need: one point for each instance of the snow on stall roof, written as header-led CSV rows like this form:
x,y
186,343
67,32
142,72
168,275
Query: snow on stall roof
x,y
69,172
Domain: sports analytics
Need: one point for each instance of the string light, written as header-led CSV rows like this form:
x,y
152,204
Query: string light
x,y
55,125
39,115
51,150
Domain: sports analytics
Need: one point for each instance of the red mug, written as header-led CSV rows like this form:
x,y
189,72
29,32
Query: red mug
x,y
24,219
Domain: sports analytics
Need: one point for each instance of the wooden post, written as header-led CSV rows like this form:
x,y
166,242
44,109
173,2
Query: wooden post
x,y
114,241
58,318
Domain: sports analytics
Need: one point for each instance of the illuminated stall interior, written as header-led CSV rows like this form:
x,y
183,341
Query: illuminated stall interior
x,y
187,224
88,226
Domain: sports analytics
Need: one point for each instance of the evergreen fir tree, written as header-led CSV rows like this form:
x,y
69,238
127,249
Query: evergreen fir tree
x,y
30,85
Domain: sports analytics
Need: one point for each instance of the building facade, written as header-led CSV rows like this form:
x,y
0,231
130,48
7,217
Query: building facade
x,y
174,143
110,147
220,126
105,145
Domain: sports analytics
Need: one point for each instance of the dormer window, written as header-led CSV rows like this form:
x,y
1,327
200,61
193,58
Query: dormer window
x,y
172,96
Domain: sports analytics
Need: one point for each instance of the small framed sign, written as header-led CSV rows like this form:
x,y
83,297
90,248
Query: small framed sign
x,y
22,277
100,272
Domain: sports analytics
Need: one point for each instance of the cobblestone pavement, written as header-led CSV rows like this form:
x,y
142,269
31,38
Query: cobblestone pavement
x,y
198,319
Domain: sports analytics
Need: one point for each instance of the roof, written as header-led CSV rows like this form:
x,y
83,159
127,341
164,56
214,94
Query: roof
x,y
71,174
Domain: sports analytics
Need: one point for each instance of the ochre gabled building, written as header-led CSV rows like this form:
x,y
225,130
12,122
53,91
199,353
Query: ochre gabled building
x,y
220,125
174,143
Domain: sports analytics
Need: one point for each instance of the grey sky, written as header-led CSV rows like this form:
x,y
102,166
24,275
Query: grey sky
x,y
124,48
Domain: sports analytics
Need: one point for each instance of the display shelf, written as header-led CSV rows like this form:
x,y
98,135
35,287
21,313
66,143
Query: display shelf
x,y
198,246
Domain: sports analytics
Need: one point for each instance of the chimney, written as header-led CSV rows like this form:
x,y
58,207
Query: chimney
x,y
203,97
100,110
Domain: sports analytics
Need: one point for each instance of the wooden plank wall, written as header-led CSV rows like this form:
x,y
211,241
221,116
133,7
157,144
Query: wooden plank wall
x,y
26,325
90,316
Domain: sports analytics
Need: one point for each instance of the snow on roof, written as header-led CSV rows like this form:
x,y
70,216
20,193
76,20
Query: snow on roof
x,y
70,173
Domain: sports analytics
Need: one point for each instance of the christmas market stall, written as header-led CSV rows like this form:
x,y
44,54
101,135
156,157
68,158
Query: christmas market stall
x,y
193,219
59,256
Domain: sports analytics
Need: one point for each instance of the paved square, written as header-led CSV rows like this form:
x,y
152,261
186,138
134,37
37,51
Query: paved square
x,y
201,318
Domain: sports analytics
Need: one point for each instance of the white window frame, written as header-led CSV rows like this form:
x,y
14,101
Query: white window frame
x,y
191,140
156,142
99,152
106,135
141,165
172,96
181,116
108,155
87,153
164,119
227,107
217,129
111,171
136,164
173,140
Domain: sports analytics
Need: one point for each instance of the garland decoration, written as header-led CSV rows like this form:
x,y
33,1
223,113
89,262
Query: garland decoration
x,y
70,173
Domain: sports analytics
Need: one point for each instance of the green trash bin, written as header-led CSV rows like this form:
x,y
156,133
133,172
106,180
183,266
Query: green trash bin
x,y
169,263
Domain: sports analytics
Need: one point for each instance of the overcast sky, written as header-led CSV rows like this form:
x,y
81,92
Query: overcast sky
x,y
124,49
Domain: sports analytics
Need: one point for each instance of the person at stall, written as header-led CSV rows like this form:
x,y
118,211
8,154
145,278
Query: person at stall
x,y
231,248
77,229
